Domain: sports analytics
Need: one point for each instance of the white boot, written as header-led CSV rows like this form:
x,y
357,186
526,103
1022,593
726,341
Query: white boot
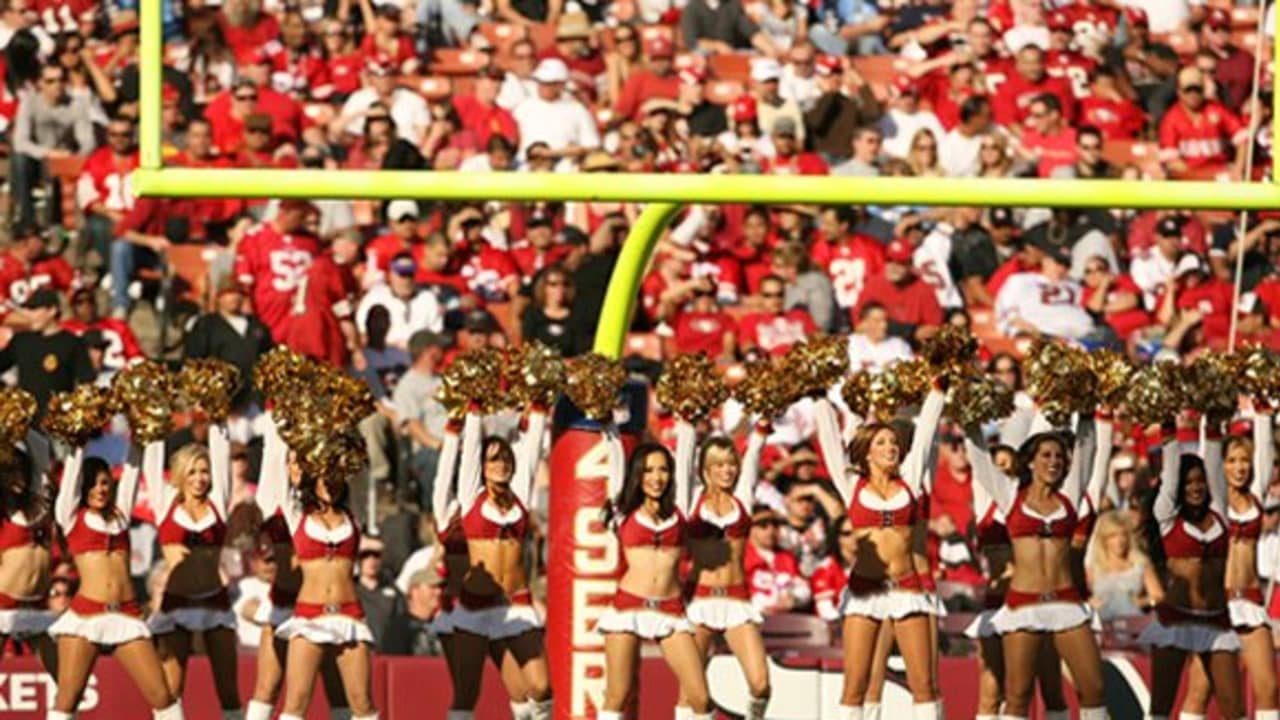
x,y
1093,713
456,715
870,711
258,710
1190,716
703,716
56,715
608,715
173,712
925,711
1266,715
365,717
986,717
683,712
849,712
287,716
522,710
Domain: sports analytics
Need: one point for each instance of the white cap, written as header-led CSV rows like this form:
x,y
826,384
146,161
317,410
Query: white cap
x,y
1248,303
551,70
1189,263
765,69
397,209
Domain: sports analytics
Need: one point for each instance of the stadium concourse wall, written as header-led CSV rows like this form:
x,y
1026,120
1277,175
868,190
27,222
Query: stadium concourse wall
x,y
406,688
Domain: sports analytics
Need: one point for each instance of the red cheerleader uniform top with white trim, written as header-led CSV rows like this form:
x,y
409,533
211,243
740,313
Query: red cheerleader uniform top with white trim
x,y
867,509
1022,521
638,530
90,532
1185,540
704,524
1246,525
991,530
16,532
178,528
313,541
486,522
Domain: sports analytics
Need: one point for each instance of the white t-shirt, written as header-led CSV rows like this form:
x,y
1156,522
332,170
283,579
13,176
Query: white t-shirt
x,y
409,111
1164,15
515,90
249,633
803,90
1054,308
958,155
1151,271
420,312
876,356
559,124
931,262
899,128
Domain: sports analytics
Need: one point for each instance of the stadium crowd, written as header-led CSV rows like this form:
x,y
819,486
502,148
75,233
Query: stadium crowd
x,y
93,277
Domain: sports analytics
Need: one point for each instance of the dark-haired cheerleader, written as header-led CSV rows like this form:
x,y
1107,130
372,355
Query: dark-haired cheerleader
x,y
93,509
26,535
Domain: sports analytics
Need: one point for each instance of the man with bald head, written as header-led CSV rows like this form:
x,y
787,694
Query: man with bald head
x,y
1198,133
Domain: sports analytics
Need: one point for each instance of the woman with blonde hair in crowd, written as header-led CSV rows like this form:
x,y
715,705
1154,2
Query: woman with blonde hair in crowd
x,y
1122,581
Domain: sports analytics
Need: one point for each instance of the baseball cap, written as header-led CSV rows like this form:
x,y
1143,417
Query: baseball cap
x,y
479,321
1002,217
1057,249
693,75
765,70
1218,18
659,46
43,298
1188,263
828,66
1136,15
785,126
1169,227
551,70
420,341
899,251
538,219
1249,304
404,265
1059,21
400,209
743,109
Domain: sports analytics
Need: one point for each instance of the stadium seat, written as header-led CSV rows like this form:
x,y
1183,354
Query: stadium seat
x,y
191,264
502,35
723,92
795,630
879,70
455,61
731,66
433,87
66,171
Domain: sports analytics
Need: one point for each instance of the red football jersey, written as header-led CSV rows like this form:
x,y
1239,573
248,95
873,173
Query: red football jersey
x,y
1127,322
769,575
1200,141
828,580
1116,119
849,263
1073,67
489,272
122,345
107,181
273,265
702,332
775,334
1012,102
529,260
314,328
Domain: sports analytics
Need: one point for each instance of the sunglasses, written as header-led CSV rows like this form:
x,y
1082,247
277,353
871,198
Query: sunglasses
x,y
766,523
119,134
846,533
624,38
1192,89
246,98
51,80
257,131
1092,147
771,295
1094,270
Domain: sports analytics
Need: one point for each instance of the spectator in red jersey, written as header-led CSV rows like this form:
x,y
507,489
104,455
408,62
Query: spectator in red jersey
x,y
704,327
383,37
298,69
772,330
538,249
228,125
803,532
120,347
1109,108
1047,140
321,323
436,272
480,113
256,149
914,313
343,63
1116,298
272,260
489,272
789,156
1153,269
1063,61
402,217
245,26
285,112
773,574
1012,103
1197,133
1196,307
655,80
1252,326
1147,63
848,257
18,274
905,117
105,194
1234,73
831,577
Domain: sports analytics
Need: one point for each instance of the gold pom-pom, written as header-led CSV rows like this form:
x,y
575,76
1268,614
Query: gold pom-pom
x,y
691,387
209,384
765,389
17,410
593,382
1209,386
145,393
1154,396
77,416
950,351
1112,373
534,375
1258,372
1061,380
977,399
817,363
334,455
473,377
282,373
857,392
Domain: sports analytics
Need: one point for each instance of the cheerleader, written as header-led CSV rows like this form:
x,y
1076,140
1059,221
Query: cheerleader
x,y
454,560
1193,619
278,461
192,506
884,585
495,614
327,620
1247,466
647,605
25,538
719,522
1042,602
93,511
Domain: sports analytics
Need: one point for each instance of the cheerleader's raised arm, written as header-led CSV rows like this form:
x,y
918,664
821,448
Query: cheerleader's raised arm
x,y
443,501
914,465
528,453
68,499
989,483
686,450
831,445
1211,453
470,477
1165,509
273,483
1264,451
750,473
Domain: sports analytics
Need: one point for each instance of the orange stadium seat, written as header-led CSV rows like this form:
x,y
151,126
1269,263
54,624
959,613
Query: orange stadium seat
x,y
454,61
731,66
191,264
543,36
502,35
723,92
67,171
879,70
433,87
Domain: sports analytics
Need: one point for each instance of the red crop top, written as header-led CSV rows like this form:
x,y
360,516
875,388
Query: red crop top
x,y
276,528
1022,521
484,522
1246,525
1188,541
704,524
15,532
991,530
91,533
175,529
869,510
313,541
636,531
